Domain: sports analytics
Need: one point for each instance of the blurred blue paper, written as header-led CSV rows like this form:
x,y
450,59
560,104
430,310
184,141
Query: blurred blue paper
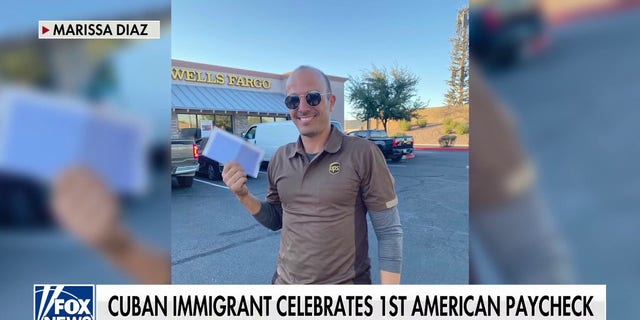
x,y
224,147
41,135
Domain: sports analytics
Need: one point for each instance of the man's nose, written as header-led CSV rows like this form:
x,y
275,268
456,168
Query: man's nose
x,y
303,104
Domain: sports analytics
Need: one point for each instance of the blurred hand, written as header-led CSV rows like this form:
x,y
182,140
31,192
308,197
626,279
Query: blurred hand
x,y
235,178
84,206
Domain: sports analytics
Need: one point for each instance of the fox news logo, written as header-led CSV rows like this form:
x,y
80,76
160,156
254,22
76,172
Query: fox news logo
x,y
63,302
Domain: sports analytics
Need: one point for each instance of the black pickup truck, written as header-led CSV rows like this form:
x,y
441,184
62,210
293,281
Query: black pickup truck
x,y
394,148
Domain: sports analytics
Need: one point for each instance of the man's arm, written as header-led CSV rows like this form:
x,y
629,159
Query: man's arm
x,y
269,215
236,179
83,205
142,262
387,277
386,225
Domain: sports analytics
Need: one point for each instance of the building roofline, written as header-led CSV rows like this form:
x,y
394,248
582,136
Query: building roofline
x,y
204,66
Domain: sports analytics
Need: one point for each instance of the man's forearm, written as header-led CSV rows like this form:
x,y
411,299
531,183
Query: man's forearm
x,y
388,229
387,277
250,202
269,215
143,263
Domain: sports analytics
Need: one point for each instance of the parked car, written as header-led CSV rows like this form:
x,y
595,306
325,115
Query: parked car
x,y
503,31
210,168
394,148
184,161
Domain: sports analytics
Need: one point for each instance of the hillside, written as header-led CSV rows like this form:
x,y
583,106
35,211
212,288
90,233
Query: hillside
x,y
428,135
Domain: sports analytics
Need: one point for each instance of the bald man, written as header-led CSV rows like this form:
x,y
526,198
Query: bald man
x,y
320,191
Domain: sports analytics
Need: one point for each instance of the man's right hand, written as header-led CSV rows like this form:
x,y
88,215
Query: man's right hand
x,y
235,178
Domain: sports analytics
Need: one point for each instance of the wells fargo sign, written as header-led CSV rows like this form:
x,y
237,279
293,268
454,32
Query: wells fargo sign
x,y
219,78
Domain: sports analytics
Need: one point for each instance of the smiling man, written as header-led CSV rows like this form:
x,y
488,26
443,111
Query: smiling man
x,y
320,190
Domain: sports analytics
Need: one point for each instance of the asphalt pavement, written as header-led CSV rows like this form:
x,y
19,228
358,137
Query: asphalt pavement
x,y
215,241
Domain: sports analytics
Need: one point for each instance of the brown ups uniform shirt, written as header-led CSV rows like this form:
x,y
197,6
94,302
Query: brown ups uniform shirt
x,y
324,202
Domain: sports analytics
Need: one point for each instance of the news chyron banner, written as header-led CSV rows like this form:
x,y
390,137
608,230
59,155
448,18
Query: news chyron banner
x,y
99,29
102,302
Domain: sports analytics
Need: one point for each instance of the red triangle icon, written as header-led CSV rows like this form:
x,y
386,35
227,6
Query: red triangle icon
x,y
44,29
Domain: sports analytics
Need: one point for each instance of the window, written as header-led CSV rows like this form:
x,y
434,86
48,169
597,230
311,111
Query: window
x,y
251,120
186,121
251,134
378,134
194,120
204,117
224,122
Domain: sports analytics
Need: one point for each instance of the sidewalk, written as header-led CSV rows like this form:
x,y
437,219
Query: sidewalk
x,y
437,147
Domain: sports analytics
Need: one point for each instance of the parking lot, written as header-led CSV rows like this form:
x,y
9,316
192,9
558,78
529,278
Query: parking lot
x,y
215,240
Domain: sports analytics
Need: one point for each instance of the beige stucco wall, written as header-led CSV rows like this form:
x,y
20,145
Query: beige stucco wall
x,y
277,81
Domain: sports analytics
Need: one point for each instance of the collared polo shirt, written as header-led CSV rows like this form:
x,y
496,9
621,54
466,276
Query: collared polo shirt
x,y
324,202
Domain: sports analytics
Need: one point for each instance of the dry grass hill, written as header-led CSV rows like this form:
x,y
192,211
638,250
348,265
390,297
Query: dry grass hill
x,y
428,135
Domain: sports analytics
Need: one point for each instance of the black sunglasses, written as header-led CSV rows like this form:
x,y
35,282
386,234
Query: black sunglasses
x,y
313,98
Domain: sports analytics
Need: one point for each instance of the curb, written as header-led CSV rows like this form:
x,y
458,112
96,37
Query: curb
x,y
441,148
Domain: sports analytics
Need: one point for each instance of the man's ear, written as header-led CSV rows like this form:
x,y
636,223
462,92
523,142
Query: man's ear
x,y
332,102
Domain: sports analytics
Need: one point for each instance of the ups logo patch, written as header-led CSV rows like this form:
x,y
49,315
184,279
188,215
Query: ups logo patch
x,y
334,168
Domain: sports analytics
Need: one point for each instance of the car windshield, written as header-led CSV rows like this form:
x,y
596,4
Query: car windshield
x,y
378,134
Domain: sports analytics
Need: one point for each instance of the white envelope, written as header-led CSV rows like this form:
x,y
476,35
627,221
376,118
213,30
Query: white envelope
x,y
225,147
41,135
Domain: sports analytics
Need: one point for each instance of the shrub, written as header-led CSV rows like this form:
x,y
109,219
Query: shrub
x,y
461,128
449,126
448,122
398,134
422,123
404,125
447,140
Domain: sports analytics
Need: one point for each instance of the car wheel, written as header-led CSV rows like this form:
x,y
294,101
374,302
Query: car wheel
x,y
213,171
396,158
185,181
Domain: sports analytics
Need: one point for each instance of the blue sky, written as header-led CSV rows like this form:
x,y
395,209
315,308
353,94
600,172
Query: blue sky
x,y
342,38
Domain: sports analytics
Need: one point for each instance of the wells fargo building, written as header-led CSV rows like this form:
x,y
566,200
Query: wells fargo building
x,y
205,95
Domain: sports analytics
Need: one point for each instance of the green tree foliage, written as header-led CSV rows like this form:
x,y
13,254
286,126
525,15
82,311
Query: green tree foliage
x,y
458,93
384,95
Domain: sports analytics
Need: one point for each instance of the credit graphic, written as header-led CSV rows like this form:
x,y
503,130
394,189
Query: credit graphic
x,y
99,29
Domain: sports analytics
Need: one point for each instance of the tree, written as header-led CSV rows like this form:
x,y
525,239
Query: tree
x,y
379,94
458,93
